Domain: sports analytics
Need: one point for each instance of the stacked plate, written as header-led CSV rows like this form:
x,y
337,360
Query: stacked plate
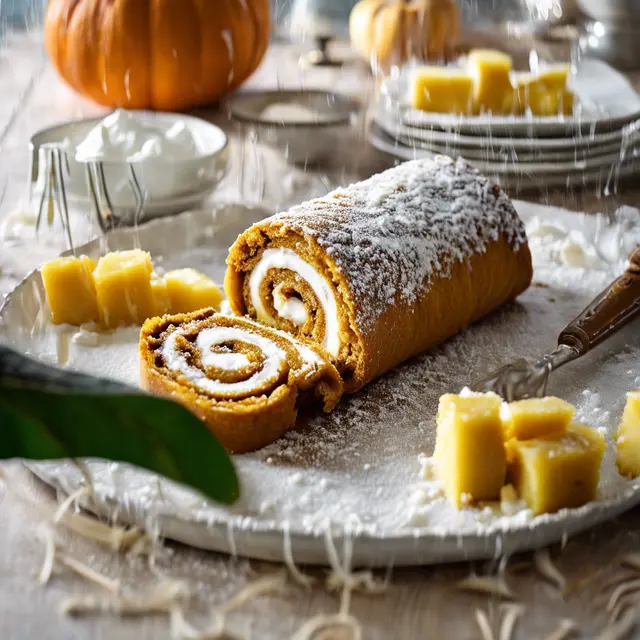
x,y
598,144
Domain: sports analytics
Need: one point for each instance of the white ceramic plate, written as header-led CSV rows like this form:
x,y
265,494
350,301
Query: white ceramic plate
x,y
606,170
500,154
589,140
605,102
352,474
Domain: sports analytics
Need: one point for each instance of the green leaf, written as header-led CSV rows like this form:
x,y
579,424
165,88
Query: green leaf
x,y
48,413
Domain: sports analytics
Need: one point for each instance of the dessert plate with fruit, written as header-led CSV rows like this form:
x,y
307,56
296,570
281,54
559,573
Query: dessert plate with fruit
x,y
484,96
362,477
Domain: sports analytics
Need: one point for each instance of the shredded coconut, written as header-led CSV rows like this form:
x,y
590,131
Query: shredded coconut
x,y
182,630
330,623
483,624
86,572
271,583
621,629
512,613
49,557
632,586
491,585
632,560
391,233
302,579
114,537
546,568
564,630
162,598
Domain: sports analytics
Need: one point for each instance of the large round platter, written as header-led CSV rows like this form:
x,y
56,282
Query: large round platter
x,y
351,476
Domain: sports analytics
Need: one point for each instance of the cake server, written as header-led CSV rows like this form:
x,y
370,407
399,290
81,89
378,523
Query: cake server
x,y
609,311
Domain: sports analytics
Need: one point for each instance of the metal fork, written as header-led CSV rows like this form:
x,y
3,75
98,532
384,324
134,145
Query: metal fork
x,y
609,311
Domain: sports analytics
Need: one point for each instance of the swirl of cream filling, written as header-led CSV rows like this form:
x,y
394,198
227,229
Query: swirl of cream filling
x,y
284,258
275,360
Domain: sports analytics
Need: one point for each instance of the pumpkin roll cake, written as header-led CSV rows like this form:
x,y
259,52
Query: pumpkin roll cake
x,y
246,381
382,270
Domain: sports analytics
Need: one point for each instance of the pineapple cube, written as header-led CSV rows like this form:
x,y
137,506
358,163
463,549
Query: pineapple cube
x,y
442,90
537,417
554,76
543,101
70,290
190,290
557,472
160,295
628,440
470,455
544,94
491,71
123,284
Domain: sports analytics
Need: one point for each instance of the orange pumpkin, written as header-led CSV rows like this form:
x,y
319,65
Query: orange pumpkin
x,y
156,54
392,31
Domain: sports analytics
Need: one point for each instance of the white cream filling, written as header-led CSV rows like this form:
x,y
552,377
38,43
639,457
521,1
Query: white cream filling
x,y
175,360
284,258
226,361
290,308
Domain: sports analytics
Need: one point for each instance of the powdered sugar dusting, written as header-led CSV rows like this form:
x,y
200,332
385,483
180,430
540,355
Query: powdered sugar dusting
x,y
390,233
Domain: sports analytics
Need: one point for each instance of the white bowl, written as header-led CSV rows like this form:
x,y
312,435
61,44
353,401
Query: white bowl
x,y
170,185
307,126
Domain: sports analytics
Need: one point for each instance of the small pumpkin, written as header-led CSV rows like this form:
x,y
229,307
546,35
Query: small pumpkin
x,y
156,54
389,32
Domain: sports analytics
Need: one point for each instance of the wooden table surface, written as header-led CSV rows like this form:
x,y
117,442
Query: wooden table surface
x,y
420,602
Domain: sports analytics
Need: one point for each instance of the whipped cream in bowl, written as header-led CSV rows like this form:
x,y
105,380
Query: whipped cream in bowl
x,y
177,159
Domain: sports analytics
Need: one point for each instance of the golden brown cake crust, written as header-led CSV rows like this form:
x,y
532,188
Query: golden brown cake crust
x,y
413,255
246,420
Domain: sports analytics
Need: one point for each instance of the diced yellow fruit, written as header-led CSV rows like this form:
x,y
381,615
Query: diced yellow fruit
x,y
628,440
554,77
490,71
190,290
557,472
470,455
123,284
550,102
537,418
567,102
70,290
160,295
442,89
542,94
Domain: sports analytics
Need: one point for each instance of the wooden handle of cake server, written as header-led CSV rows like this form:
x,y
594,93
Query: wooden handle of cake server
x,y
614,307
